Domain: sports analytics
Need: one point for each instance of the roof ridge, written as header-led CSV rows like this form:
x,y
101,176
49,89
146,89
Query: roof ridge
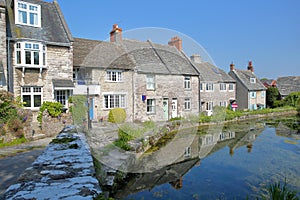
x,y
63,21
160,58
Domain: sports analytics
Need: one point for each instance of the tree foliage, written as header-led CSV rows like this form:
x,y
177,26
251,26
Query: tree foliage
x,y
272,94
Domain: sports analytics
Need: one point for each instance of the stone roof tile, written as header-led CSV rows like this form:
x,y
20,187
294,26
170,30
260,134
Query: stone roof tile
x,y
53,29
211,73
244,76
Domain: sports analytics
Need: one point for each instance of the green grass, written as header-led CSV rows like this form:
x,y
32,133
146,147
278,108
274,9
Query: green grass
x,y
14,142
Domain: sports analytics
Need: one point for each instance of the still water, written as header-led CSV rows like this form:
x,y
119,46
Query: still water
x,y
232,161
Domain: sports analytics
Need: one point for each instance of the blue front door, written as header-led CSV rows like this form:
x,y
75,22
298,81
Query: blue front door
x,y
92,116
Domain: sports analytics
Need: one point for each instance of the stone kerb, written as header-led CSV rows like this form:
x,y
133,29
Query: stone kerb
x,y
64,171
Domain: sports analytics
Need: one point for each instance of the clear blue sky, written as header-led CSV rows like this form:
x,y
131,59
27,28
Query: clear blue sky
x,y
267,32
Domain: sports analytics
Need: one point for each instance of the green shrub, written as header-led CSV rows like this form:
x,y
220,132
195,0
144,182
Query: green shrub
x,y
8,107
127,132
117,115
219,114
122,144
54,109
298,107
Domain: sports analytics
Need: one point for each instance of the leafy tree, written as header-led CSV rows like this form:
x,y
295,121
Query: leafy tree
x,y
272,94
292,99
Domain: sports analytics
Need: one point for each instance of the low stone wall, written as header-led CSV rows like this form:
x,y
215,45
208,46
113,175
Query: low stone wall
x,y
64,171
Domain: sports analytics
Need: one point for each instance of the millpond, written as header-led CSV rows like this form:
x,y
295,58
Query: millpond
x,y
221,161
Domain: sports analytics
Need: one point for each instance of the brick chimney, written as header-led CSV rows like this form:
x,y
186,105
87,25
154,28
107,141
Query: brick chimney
x,y
196,58
177,42
250,67
116,34
231,66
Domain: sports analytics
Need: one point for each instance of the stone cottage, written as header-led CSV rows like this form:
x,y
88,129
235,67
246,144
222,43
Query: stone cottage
x,y
39,52
250,92
3,56
150,81
216,87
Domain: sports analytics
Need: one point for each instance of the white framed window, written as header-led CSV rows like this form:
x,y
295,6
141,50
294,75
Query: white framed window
x,y
30,54
201,87
114,75
263,94
209,105
114,101
32,96
223,87
187,151
62,96
252,95
150,106
27,14
209,87
150,81
252,80
231,87
187,104
187,82
223,103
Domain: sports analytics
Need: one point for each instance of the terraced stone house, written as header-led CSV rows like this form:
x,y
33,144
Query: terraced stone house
x,y
250,92
39,52
216,87
150,81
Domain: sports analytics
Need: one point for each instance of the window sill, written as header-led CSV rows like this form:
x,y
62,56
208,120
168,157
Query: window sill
x,y
31,66
151,113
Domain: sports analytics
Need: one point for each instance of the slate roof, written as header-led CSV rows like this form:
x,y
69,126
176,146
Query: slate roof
x,y
53,30
288,84
211,73
62,83
244,77
99,54
145,57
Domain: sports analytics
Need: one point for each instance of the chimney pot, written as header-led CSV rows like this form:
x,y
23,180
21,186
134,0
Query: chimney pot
x,y
177,42
116,34
196,58
231,66
250,67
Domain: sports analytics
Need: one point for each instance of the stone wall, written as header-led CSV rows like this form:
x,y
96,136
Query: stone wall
x,y
53,125
64,171
167,87
216,96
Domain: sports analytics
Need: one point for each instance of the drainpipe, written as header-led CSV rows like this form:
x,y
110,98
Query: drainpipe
x,y
9,68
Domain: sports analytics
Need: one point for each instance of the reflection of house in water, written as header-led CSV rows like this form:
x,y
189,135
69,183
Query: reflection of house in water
x,y
169,174
214,136
235,137
184,146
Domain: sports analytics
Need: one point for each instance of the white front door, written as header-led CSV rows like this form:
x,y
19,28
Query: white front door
x,y
174,108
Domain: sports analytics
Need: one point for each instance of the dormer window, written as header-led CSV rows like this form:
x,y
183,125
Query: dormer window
x,y
28,14
252,80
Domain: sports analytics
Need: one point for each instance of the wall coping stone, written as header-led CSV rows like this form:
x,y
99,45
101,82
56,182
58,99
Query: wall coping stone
x,y
63,171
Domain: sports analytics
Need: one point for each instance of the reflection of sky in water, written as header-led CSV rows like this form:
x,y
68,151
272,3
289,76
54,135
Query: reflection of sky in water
x,y
227,177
